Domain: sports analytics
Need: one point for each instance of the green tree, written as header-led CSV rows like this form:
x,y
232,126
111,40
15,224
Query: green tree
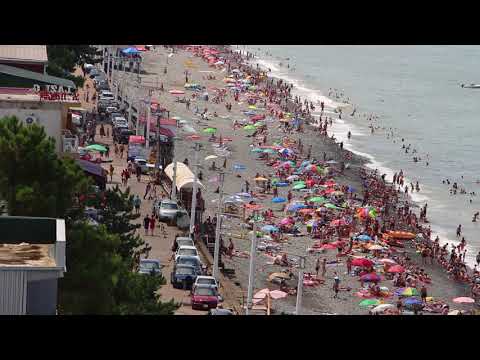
x,y
33,179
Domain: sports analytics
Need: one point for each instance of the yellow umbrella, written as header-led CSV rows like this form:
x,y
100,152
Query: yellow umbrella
x,y
252,107
279,275
260,179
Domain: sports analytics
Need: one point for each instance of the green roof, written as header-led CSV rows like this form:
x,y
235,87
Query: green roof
x,y
53,80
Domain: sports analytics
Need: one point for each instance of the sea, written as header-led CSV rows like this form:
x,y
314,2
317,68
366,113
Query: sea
x,y
412,93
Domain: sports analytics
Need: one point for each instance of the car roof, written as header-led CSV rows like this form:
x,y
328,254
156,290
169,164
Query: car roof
x,y
205,277
167,201
187,247
150,261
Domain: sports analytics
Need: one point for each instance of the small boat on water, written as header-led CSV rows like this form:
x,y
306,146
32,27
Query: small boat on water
x,y
471,86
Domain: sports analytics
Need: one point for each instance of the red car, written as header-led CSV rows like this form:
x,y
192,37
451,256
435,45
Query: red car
x,y
204,297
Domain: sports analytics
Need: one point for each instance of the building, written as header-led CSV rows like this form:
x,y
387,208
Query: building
x,y
51,114
32,259
29,57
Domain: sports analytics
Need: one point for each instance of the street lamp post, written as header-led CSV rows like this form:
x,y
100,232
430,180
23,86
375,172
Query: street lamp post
x,y
194,194
149,105
216,251
298,307
251,273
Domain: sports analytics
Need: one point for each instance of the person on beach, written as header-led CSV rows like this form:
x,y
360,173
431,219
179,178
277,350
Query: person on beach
x,y
336,284
317,265
152,224
112,169
424,294
459,230
324,267
137,202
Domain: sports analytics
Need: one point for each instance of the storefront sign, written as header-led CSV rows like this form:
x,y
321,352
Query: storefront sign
x,y
55,93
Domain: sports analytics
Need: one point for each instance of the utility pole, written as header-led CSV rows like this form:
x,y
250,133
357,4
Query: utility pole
x,y
195,188
298,307
149,105
108,68
251,272
216,252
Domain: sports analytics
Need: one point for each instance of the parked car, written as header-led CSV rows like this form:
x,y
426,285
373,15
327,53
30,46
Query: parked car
x,y
191,261
111,109
183,275
206,280
93,73
220,312
115,114
119,121
184,241
204,297
147,266
122,134
167,211
187,250
142,163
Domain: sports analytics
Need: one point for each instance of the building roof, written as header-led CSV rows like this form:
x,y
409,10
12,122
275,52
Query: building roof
x,y
24,53
26,255
13,71
184,176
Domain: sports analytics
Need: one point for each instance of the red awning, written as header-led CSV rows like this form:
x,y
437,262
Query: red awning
x,y
133,139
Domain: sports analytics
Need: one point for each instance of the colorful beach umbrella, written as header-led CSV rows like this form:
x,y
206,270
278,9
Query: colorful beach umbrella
x,y
331,206
464,300
317,199
387,261
409,291
210,130
260,179
381,308
369,302
372,277
269,228
362,262
278,200
96,147
281,184
396,269
257,150
299,186
249,127
363,237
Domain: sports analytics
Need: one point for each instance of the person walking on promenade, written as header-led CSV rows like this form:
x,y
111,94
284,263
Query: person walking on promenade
x,y
146,223
122,149
152,224
147,190
138,169
324,267
137,202
336,285
317,265
112,169
107,153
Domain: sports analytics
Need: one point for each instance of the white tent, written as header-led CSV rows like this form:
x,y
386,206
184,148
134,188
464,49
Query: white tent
x,y
185,177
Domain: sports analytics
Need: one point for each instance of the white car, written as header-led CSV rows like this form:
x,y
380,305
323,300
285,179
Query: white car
x,y
143,164
120,121
188,251
206,280
106,95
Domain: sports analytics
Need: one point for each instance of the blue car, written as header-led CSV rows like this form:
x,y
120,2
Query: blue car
x,y
183,276
150,266
190,260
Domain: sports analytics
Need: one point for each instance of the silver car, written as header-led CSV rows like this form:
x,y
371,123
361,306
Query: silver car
x,y
167,211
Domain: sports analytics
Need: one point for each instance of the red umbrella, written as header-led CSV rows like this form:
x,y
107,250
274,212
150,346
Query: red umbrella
x,y
396,269
257,117
329,246
338,222
362,262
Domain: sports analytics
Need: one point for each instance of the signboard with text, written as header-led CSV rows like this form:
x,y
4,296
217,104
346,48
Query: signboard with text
x,y
55,93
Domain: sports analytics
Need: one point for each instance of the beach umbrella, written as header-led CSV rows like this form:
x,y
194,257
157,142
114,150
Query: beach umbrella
x,y
257,150
96,147
278,200
306,211
372,277
299,186
210,130
409,291
258,124
413,302
260,179
381,308
211,157
249,127
177,92
274,294
387,261
351,189
239,167
285,221
269,228
281,184
396,269
362,262
296,207
292,177
375,247
363,237
331,206
243,194
317,199
463,300
369,302
268,151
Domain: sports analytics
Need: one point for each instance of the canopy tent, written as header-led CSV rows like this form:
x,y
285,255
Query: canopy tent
x,y
185,177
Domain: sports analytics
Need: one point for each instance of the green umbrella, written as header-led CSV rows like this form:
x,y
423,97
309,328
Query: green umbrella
x,y
210,130
275,180
331,206
249,127
299,186
257,150
317,199
269,151
369,302
258,124
96,147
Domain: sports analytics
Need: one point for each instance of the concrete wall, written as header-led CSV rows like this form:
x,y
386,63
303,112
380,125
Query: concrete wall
x,y
49,116
42,297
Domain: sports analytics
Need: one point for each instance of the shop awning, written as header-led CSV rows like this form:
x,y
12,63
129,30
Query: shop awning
x,y
185,177
134,139
90,167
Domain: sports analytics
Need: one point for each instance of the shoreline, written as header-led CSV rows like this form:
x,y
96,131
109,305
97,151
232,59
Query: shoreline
x,y
241,144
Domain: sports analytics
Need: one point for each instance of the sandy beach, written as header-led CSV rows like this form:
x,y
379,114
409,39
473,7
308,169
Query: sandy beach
x,y
316,299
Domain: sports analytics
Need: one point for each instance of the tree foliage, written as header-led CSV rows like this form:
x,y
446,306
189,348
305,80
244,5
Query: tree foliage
x,y
33,179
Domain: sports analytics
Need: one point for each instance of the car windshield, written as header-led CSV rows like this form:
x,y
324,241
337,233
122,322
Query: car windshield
x,y
191,252
206,281
189,261
204,291
149,265
185,242
169,206
185,271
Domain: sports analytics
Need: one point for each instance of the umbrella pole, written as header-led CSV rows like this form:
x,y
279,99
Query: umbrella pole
x,y
251,273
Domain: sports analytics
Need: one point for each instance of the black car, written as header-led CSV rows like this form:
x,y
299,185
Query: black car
x,y
183,276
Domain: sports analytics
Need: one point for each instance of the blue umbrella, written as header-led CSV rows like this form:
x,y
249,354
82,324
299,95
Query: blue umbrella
x,y
244,194
239,167
351,189
278,199
295,207
363,237
269,228
130,50
281,184
413,302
